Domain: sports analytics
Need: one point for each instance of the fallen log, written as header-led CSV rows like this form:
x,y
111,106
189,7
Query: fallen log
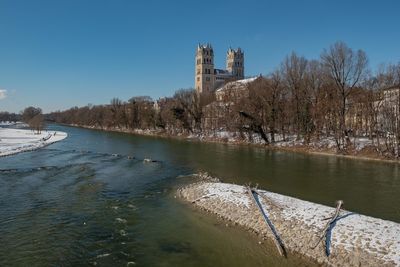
x,y
332,220
353,239
277,240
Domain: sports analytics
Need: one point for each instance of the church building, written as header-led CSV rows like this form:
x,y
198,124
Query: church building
x,y
208,78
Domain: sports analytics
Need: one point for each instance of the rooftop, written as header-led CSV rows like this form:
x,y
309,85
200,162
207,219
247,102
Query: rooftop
x,y
237,84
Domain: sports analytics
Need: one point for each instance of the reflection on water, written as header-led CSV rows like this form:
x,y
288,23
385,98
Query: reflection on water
x,y
91,200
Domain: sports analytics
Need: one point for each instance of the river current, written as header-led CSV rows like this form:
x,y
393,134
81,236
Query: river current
x,y
91,200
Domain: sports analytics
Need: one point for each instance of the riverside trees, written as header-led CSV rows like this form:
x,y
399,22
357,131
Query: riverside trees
x,y
6,116
34,118
334,97
346,69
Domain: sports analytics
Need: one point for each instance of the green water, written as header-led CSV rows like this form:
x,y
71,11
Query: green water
x,y
74,203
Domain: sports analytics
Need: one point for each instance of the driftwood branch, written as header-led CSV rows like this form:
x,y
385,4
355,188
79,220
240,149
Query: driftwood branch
x,y
277,240
339,205
266,200
202,197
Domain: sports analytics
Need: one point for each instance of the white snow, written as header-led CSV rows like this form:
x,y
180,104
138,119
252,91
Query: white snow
x,y
6,123
229,192
247,80
362,142
14,141
351,230
235,84
372,233
17,124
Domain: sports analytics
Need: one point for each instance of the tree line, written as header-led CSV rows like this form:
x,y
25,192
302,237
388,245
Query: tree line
x,y
32,116
11,117
335,96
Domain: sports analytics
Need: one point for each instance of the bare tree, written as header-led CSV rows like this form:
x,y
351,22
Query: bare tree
x,y
346,68
119,117
34,118
274,98
142,113
294,70
315,81
30,112
188,109
37,123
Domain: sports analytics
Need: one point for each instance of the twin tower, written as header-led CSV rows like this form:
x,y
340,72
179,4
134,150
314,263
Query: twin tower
x,y
208,78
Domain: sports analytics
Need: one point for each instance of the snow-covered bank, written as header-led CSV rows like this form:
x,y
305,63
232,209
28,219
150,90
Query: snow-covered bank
x,y
355,240
13,124
14,141
7,123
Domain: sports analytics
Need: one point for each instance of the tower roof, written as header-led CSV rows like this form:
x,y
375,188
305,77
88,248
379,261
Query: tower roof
x,y
234,51
204,46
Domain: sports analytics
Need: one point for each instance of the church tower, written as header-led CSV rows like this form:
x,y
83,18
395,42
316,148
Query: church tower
x,y
205,77
235,63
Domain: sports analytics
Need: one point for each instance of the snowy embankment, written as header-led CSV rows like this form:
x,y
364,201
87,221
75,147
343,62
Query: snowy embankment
x,y
13,124
289,140
353,239
7,123
14,141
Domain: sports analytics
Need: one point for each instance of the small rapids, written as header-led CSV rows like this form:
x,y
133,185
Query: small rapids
x,y
108,199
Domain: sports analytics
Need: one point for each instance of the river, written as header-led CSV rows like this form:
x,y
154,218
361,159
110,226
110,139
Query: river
x,y
83,202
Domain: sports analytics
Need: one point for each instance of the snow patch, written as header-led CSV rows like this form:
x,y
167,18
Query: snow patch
x,y
229,192
352,231
14,141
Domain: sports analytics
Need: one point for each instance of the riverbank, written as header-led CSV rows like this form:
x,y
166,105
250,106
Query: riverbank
x,y
13,141
363,150
354,239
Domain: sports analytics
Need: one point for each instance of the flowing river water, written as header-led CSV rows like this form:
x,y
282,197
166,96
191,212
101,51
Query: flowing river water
x,y
83,202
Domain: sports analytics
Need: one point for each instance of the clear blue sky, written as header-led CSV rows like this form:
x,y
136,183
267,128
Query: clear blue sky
x,y
64,53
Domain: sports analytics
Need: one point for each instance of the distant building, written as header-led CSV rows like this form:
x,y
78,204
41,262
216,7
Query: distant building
x,y
388,108
233,91
217,114
390,97
208,78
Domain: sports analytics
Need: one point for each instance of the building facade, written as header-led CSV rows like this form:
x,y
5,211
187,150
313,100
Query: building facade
x,y
208,78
